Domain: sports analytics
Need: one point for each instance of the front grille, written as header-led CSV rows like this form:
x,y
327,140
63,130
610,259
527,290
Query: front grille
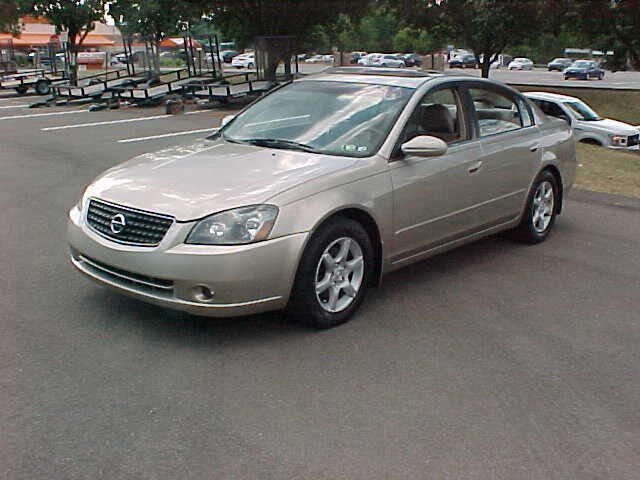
x,y
633,140
121,276
127,225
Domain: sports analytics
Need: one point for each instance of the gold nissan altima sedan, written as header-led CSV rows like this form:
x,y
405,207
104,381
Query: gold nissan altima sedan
x,y
311,194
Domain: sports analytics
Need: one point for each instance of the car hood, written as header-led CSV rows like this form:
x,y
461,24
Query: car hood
x,y
191,182
613,127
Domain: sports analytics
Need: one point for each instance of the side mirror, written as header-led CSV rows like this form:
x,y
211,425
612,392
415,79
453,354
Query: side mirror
x,y
424,146
226,120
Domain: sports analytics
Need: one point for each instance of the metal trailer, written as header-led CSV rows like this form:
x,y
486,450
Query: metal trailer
x,y
95,86
227,89
154,93
39,80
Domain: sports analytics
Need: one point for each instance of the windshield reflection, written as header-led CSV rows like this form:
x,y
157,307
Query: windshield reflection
x,y
336,118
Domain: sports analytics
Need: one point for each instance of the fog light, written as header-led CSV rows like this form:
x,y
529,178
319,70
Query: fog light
x,y
202,293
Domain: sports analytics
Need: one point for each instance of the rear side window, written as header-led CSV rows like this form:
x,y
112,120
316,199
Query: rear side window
x,y
496,112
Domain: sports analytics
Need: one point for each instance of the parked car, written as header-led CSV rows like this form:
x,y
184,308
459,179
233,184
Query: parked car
x,y
370,60
412,59
559,64
244,60
584,70
385,60
520,63
227,55
320,59
355,56
306,207
463,61
588,126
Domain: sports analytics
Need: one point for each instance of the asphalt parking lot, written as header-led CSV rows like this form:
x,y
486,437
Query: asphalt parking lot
x,y
493,361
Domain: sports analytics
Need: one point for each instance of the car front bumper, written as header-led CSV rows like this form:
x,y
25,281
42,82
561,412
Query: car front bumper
x,y
214,281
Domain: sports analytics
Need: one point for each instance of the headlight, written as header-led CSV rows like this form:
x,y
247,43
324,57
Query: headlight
x,y
618,140
235,227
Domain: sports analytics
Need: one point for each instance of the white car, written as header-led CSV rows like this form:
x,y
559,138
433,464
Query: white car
x,y
520,63
382,60
587,125
244,60
320,59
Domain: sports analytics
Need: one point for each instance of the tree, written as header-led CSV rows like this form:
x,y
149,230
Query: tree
x,y
153,19
246,19
75,17
415,40
611,25
487,27
8,15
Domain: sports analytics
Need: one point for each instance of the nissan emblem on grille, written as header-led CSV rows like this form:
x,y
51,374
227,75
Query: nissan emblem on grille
x,y
127,225
118,222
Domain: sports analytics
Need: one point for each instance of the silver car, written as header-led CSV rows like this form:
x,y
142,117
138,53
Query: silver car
x,y
310,195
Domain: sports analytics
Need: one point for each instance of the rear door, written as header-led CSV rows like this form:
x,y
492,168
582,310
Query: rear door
x,y
510,150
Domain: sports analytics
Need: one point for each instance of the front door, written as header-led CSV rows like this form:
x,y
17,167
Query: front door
x,y
434,198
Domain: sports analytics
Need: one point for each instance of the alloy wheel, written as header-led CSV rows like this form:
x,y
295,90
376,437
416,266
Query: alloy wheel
x,y
339,274
543,206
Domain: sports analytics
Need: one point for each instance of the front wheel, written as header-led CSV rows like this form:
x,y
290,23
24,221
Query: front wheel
x,y
541,210
334,274
22,90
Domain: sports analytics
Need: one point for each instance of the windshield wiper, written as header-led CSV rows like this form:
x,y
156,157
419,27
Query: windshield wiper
x,y
279,143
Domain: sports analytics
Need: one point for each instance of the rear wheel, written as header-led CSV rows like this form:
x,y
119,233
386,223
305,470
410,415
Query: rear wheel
x,y
541,210
22,90
334,274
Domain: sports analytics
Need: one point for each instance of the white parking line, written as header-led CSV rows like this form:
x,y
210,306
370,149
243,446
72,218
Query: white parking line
x,y
16,106
14,117
165,135
114,122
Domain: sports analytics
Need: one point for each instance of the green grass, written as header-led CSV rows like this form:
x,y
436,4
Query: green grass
x,y
620,105
608,171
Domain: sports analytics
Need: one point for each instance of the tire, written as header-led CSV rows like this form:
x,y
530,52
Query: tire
x,y
251,65
22,90
566,77
533,227
316,273
43,87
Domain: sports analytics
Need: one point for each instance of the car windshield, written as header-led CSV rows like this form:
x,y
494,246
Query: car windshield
x,y
334,118
582,111
582,64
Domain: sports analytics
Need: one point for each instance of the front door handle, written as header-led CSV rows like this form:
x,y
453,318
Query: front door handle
x,y
475,167
534,148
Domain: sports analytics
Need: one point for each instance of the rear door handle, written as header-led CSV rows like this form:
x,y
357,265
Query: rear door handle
x,y
534,148
475,167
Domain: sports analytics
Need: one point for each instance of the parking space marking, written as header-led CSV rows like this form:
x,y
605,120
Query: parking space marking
x,y
32,115
165,135
24,105
113,122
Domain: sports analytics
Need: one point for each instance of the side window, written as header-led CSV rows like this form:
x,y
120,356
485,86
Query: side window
x,y
438,114
551,109
525,113
497,113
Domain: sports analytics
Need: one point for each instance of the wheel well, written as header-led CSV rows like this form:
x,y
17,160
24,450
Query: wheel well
x,y
370,225
591,141
556,173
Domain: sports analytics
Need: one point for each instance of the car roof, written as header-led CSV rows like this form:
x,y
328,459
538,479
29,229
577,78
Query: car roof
x,y
378,76
551,96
